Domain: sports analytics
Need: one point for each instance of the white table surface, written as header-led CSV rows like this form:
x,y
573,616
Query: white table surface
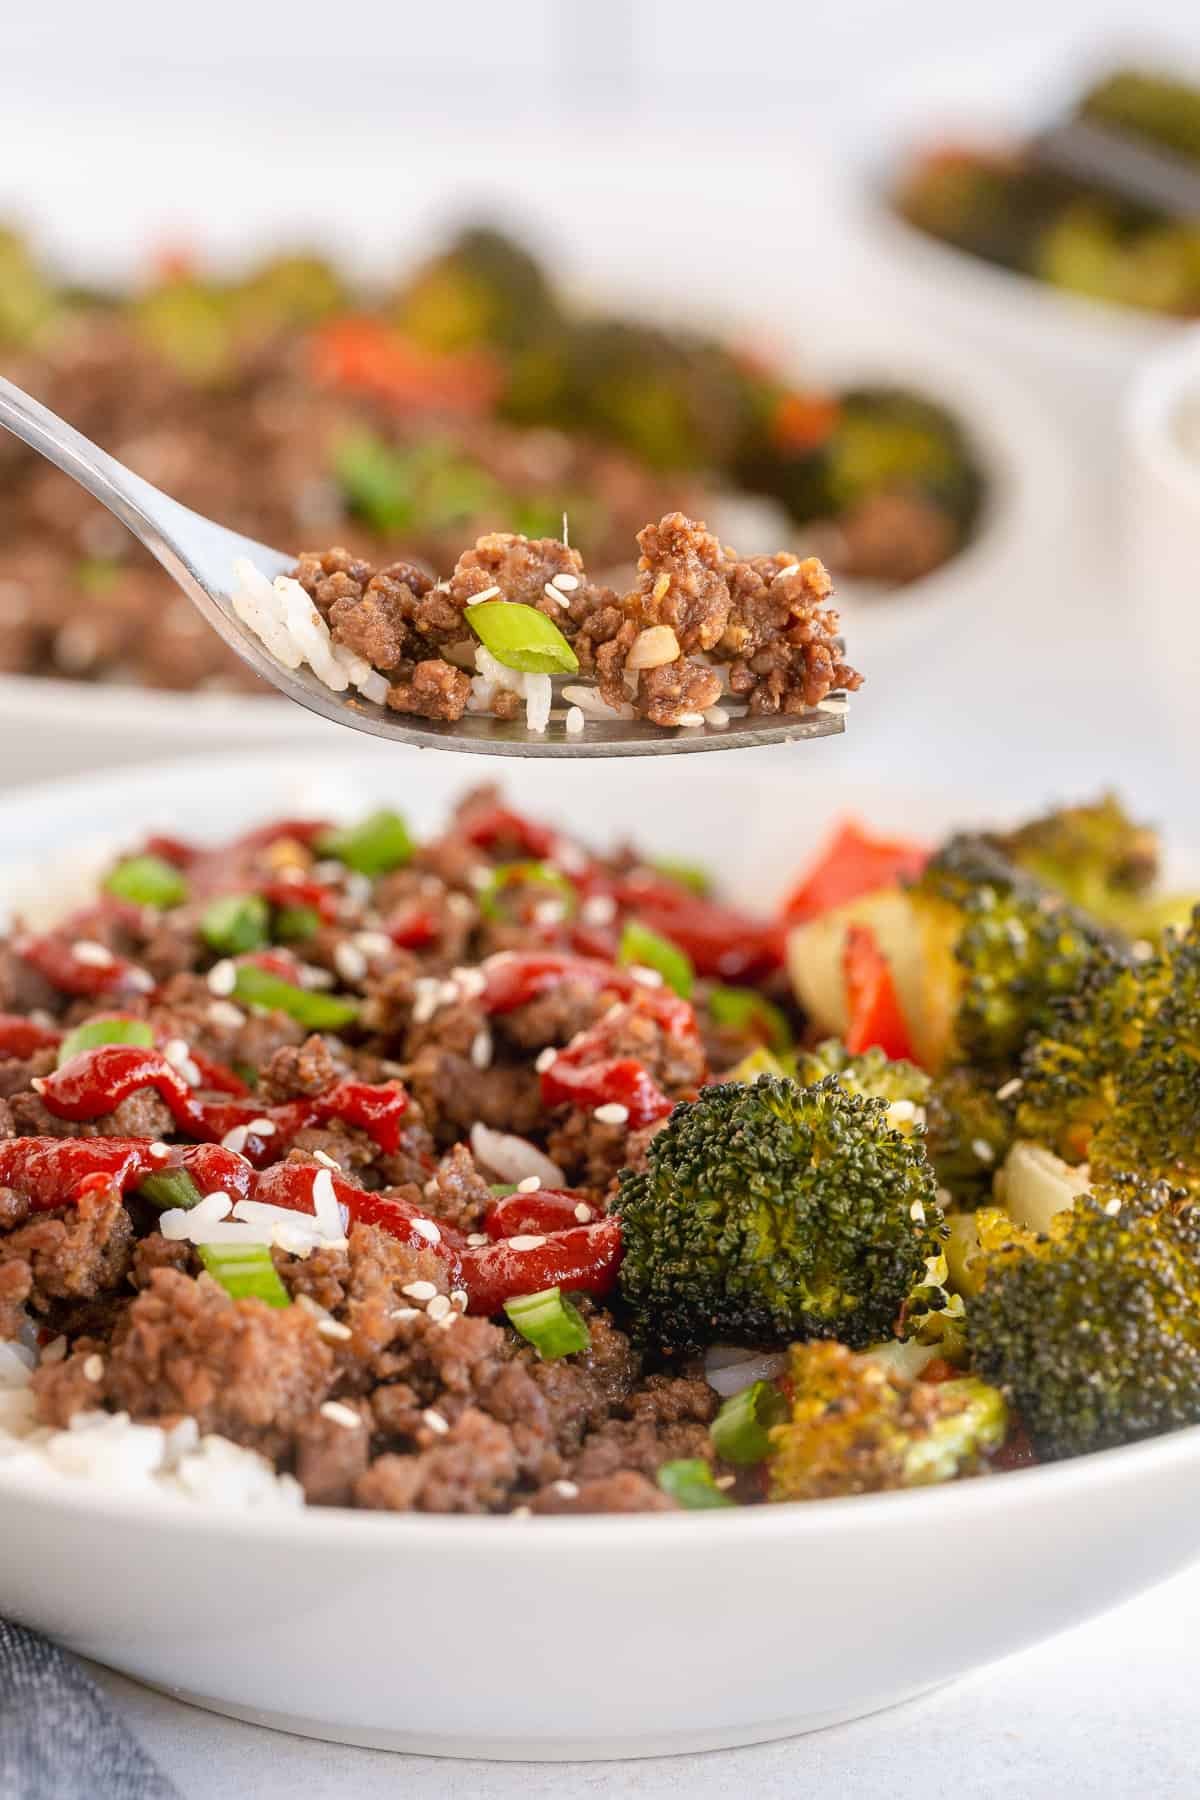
x,y
1106,1710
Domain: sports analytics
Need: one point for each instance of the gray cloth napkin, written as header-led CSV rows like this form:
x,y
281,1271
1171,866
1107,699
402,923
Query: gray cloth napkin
x,y
59,1737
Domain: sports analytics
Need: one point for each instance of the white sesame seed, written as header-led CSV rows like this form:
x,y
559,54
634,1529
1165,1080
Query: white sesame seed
x,y
1142,949
179,1055
447,1320
476,1239
37,1084
567,1489
435,1421
459,905
1010,1088
549,912
646,977
982,1150
529,1242
327,1161
1112,1208
724,1481
262,1127
349,961
459,1296
159,1152
480,877
583,1212
426,1002
469,982
337,1414
545,1058
521,1512
226,1016
552,593
690,720
222,977
373,943
601,909
94,955
481,1049
406,1312
419,1290
235,1139
314,978
334,1330
428,1230
612,1113
93,1369
358,886
488,593
917,1212
439,1306
568,583
530,1185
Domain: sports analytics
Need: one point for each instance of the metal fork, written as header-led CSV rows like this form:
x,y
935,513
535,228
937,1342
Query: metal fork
x,y
199,555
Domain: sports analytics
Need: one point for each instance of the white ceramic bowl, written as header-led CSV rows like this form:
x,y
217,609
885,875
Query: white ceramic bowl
x,y
559,1637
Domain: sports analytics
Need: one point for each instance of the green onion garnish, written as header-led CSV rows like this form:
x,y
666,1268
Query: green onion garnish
x,y
235,923
525,874
319,1012
382,842
521,637
295,922
168,1188
498,1189
245,1271
744,1009
146,881
550,1323
690,1481
685,874
644,947
740,1431
94,1032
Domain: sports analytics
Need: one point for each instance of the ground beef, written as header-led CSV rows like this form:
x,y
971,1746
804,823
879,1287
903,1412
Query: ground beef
x,y
76,1253
330,1456
248,1371
683,582
454,1095
298,1070
522,568
460,1195
624,1492
470,1470
16,1285
434,690
676,691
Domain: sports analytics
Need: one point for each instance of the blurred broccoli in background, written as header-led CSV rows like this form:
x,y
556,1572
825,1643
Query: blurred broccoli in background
x,y
1095,855
484,291
860,1427
771,1212
903,1086
968,1130
28,299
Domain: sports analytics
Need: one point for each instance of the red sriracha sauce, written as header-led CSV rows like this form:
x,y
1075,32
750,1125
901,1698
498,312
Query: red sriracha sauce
x,y
584,1260
323,900
547,1209
21,1037
291,1185
721,942
80,965
52,1172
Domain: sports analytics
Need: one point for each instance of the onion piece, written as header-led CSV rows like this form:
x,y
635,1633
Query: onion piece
x,y
513,1158
731,1376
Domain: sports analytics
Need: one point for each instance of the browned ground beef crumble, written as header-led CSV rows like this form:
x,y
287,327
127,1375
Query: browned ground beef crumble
x,y
149,1333
763,617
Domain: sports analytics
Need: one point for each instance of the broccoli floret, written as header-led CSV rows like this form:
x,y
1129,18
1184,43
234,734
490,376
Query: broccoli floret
x,y
773,1212
1096,856
872,1074
859,1427
968,1131
1000,948
484,290
1092,1331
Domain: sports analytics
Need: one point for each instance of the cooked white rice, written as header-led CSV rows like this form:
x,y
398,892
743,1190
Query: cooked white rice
x,y
282,616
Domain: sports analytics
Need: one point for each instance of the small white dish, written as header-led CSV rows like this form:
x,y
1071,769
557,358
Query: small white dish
x,y
558,1637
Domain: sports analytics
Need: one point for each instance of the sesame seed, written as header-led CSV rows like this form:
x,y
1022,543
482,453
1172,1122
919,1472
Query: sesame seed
x,y
690,720
37,1084
349,961
612,1113
373,943
93,1369
783,573
1112,1208
222,1014
568,583
545,1058
419,1290
982,1150
334,1330
428,1230
327,1161
601,909
447,1320
521,1512
1010,1088
549,912
179,1055
406,1312
724,1481
459,1297
222,977
469,982
459,905
476,1239
337,1414
530,1185
917,1211
92,954
567,1489
435,1421
552,593
235,1139
530,1242
439,1306
426,1002
646,977
262,1127
583,1212
159,1152
481,1049
489,593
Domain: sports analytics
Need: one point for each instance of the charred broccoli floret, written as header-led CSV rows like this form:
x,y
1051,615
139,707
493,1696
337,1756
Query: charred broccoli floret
x,y
859,1427
484,290
1096,856
968,1131
876,1076
1000,948
1093,1330
772,1212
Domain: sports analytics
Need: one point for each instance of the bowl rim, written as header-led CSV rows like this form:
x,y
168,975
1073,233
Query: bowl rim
x,y
1151,409
640,1531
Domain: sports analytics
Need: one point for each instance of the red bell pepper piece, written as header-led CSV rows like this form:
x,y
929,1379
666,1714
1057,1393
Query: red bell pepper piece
x,y
323,900
722,942
852,863
369,356
875,1018
412,927
496,827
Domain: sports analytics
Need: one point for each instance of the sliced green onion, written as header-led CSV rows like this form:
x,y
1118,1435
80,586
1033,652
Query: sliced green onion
x,y
644,947
741,1430
499,1189
295,922
236,923
376,482
550,1323
245,1271
525,874
381,843
247,1073
147,881
94,1032
319,1012
744,1009
168,1188
521,637
690,1482
685,874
